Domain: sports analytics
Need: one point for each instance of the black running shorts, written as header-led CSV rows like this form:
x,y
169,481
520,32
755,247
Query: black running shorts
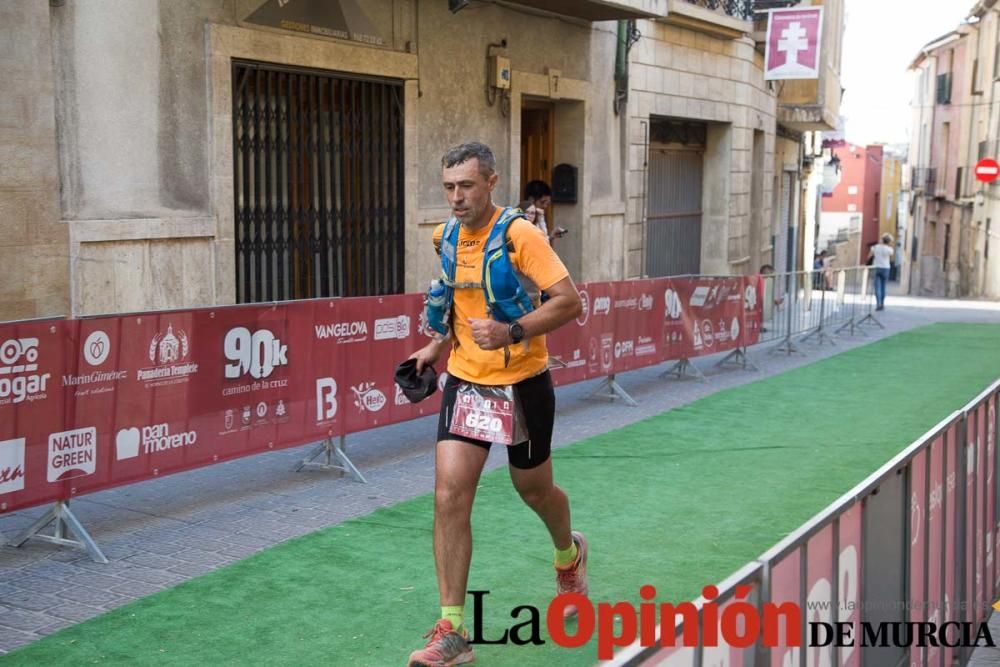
x,y
538,401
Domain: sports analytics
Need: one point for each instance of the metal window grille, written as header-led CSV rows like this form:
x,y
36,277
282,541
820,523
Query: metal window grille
x,y
318,184
740,9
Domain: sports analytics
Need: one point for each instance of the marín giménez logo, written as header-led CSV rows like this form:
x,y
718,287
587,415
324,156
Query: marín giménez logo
x,y
736,622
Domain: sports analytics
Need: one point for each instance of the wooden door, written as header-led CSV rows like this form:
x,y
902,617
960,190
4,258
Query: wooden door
x,y
537,147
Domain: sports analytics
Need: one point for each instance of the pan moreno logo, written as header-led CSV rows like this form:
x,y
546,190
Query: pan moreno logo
x,y
151,440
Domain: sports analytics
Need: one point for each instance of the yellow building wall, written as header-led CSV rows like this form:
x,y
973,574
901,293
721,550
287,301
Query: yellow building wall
x,y
892,184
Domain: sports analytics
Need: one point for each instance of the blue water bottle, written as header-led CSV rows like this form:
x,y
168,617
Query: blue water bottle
x,y
436,304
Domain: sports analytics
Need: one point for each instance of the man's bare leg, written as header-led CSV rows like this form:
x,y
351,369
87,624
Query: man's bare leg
x,y
549,502
457,469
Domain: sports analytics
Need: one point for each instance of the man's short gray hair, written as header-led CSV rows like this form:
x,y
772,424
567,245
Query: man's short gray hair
x,y
469,150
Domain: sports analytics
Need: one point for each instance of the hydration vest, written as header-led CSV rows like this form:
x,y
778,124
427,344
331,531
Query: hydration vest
x,y
506,296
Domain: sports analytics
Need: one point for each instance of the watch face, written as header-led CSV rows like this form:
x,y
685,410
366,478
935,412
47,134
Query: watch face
x,y
516,332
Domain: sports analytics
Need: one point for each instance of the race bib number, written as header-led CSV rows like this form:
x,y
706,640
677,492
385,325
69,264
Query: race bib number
x,y
486,413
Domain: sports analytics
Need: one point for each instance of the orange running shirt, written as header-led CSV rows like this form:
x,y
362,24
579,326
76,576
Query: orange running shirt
x,y
533,257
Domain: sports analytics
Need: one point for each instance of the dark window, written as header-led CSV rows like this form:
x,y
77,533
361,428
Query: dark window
x,y
960,172
986,245
944,88
947,243
318,176
976,90
996,61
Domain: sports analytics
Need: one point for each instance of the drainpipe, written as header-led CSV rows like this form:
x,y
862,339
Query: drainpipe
x,y
621,66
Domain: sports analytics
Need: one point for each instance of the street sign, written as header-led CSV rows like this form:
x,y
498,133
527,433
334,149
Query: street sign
x,y
987,170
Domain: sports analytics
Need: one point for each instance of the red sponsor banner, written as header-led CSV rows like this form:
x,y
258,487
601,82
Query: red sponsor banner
x,y
90,404
676,332
952,453
785,587
849,581
918,509
969,451
982,604
34,356
638,312
724,655
753,309
703,316
935,541
991,500
569,350
596,329
819,598
374,336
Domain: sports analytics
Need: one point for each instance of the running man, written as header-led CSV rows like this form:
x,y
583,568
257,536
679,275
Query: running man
x,y
490,356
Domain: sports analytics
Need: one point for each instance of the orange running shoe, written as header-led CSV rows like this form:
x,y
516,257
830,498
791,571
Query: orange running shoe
x,y
574,578
446,647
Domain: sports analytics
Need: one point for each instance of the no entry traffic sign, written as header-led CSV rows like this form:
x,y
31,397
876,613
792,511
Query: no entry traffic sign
x,y
987,170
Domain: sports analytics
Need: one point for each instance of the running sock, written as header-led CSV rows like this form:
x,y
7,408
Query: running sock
x,y
566,557
456,615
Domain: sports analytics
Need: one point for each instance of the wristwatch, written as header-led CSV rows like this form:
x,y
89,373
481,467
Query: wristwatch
x,y
516,332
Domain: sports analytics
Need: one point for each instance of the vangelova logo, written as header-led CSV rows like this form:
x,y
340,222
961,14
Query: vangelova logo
x,y
390,328
11,465
151,440
367,397
19,379
343,332
72,454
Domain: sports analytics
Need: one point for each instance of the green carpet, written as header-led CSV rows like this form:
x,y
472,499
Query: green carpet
x,y
678,501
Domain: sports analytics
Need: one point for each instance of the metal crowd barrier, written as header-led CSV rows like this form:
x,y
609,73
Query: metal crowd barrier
x,y
813,306
913,543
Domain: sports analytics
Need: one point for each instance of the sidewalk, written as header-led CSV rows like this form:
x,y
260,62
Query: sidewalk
x,y
161,532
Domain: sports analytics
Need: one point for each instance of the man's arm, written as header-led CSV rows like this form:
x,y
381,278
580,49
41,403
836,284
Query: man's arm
x,y
429,354
562,306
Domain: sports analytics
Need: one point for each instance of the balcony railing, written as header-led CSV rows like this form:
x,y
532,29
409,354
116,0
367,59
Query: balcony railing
x,y
925,178
738,9
761,6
